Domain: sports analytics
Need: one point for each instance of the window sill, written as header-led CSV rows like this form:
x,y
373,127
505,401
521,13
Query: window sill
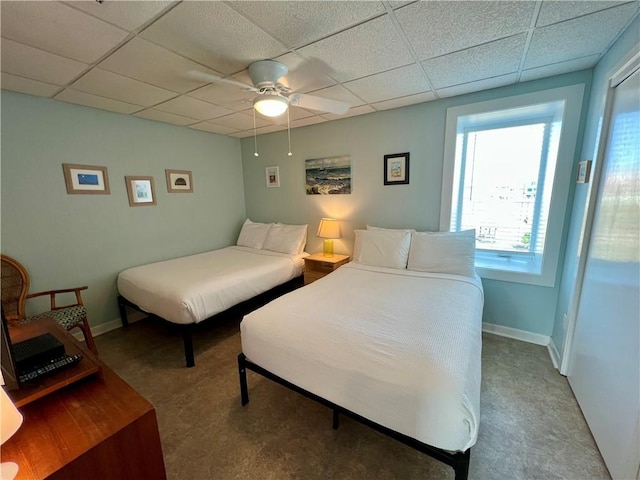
x,y
514,269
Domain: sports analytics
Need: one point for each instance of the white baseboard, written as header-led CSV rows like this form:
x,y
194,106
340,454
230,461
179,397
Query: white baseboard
x,y
516,334
554,354
109,326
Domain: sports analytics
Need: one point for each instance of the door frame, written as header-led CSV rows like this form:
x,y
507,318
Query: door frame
x,y
623,69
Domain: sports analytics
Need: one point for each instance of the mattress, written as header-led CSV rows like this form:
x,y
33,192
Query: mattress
x,y
193,288
398,347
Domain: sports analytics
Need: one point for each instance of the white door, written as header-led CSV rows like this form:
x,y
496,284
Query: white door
x,y
605,357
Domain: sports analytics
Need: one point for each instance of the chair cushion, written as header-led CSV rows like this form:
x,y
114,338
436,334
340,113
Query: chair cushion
x,y
68,317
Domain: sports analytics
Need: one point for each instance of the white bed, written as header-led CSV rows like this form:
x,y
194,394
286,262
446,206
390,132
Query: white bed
x,y
188,290
193,288
400,348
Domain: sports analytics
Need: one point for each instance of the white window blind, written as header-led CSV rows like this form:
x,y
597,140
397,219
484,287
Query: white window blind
x,y
501,169
503,178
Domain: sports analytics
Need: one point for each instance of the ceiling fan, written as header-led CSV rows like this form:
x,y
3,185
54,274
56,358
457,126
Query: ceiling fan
x,y
275,97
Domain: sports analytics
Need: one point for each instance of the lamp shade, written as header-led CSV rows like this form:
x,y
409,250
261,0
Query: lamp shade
x,y
10,417
270,105
329,228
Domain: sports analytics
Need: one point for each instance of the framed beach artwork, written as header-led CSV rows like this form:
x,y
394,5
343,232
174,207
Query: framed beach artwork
x,y
141,191
272,175
328,176
85,178
179,181
396,169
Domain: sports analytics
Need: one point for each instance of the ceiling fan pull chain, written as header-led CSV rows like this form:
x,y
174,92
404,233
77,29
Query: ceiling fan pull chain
x,y
255,137
288,132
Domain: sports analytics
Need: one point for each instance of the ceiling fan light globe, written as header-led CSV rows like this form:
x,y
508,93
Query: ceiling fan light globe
x,y
270,105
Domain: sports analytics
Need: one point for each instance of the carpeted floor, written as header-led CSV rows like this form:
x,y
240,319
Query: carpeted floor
x,y
531,426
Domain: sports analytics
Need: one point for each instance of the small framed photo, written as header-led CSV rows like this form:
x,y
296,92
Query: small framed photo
x,y
396,169
179,181
273,176
85,178
141,191
584,172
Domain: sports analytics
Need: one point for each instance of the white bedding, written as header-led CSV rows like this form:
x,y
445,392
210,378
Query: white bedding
x,y
398,347
191,289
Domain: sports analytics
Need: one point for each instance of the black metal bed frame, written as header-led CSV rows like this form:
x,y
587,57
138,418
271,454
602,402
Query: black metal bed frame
x,y
187,329
459,461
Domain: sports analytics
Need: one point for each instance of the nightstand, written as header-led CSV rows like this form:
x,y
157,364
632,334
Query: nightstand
x,y
317,265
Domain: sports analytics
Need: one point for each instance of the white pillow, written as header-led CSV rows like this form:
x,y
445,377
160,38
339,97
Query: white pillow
x,y
410,230
283,238
253,234
443,252
382,248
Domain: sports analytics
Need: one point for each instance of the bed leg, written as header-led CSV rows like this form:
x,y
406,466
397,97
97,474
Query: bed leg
x,y
123,311
242,371
336,419
461,466
187,337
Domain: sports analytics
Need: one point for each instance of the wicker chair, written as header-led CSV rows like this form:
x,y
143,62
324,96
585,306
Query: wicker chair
x,y
15,292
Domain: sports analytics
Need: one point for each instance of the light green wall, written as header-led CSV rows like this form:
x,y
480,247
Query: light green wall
x,y
628,42
418,129
70,240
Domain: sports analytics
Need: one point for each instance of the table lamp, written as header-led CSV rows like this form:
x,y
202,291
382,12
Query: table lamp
x,y
328,229
10,421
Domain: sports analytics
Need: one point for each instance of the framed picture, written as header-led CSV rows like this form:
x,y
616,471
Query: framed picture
x,y
85,178
179,181
273,176
141,191
328,175
584,172
396,169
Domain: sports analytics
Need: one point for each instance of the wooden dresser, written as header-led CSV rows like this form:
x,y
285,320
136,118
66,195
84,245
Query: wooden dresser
x,y
98,427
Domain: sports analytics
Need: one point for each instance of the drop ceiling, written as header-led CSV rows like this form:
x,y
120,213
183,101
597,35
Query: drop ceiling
x,y
133,58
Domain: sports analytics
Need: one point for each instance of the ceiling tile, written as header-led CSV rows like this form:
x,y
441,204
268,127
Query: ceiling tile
x,y
404,101
580,37
308,121
88,100
111,85
270,129
25,85
485,84
392,84
559,68
193,108
307,21
59,29
241,121
436,28
361,110
213,34
242,134
37,64
150,63
338,92
213,128
128,15
558,11
486,61
399,3
369,48
152,114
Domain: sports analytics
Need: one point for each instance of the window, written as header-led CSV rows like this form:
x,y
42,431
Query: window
x,y
505,175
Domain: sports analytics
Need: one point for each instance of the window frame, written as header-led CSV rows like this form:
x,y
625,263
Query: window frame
x,y
513,268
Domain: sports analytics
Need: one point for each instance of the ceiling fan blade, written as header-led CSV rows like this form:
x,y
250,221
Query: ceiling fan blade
x,y
209,77
319,104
